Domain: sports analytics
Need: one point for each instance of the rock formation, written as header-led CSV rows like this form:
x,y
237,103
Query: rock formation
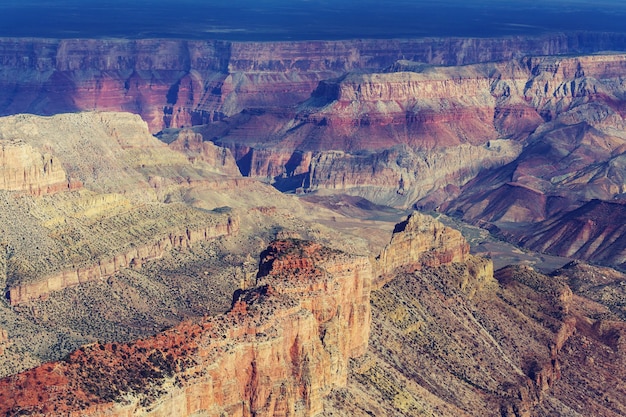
x,y
446,338
182,83
24,169
283,346
450,340
407,133
193,144
422,241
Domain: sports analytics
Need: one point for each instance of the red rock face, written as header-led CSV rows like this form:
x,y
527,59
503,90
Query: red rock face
x,y
178,83
278,352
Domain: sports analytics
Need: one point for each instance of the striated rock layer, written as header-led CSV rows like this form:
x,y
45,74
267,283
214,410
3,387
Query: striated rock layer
x,y
181,83
284,345
574,157
409,132
422,241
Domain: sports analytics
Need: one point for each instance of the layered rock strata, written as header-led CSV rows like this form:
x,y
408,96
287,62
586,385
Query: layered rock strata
x,y
22,168
182,83
571,165
409,132
284,345
133,257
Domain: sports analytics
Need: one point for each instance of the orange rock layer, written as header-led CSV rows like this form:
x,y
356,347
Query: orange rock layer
x,y
278,352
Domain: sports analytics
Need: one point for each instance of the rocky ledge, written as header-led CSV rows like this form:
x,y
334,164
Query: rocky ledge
x,y
283,346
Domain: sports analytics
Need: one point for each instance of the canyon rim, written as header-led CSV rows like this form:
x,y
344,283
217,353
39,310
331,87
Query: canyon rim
x,y
233,219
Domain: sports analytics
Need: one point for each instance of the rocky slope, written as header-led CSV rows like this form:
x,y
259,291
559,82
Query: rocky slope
x,y
118,220
457,339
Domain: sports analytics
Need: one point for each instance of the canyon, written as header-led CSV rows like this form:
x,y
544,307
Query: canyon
x,y
314,337
228,228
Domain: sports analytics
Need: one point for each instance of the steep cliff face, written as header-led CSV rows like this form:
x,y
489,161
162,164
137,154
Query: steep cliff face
x,y
179,83
456,339
447,337
409,132
422,241
281,107
284,345
22,168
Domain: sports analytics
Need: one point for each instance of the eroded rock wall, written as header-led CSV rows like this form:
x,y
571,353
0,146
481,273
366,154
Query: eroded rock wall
x,y
284,345
180,83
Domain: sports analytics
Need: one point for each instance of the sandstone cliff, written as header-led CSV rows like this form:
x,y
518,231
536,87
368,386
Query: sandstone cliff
x,y
422,241
283,109
450,340
446,339
410,131
192,143
284,345
181,83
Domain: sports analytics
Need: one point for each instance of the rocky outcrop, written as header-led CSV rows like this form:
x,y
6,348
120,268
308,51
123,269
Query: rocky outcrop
x,y
4,340
422,241
284,345
134,257
192,143
23,168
